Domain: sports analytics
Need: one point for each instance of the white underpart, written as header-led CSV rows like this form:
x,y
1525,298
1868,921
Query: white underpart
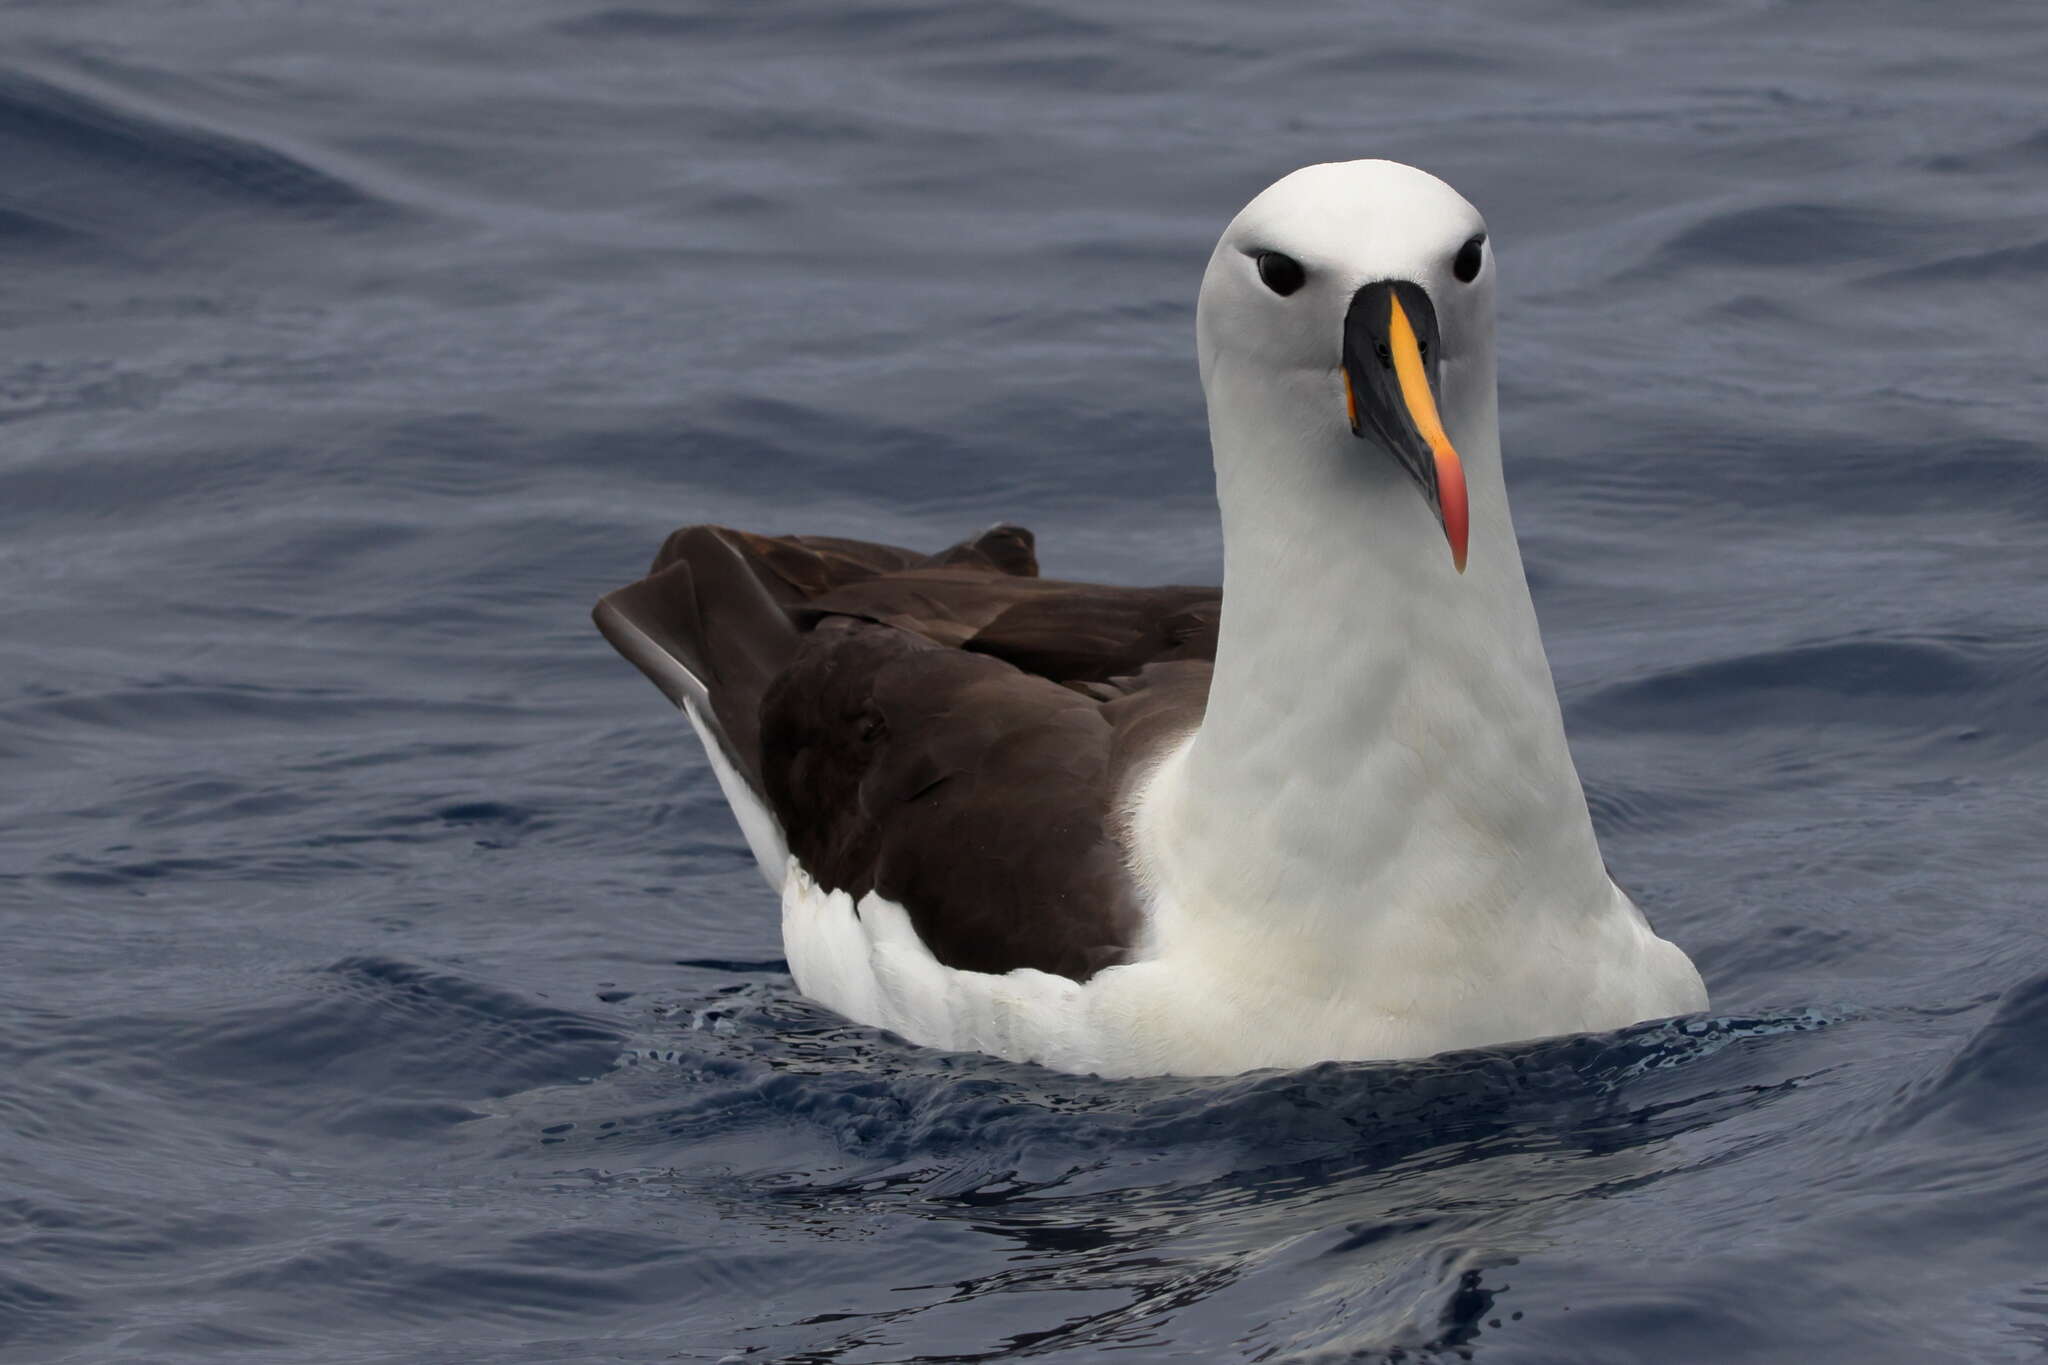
x,y
757,822
868,963
1376,844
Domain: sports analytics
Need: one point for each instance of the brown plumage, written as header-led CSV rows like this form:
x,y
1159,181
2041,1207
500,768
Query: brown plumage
x,y
950,730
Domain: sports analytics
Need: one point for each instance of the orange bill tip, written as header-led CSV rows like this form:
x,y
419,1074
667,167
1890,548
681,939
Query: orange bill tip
x,y
1451,497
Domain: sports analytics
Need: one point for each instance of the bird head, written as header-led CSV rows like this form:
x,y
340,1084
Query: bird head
x,y
1360,295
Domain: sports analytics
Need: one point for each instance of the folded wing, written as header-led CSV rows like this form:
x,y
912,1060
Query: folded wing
x,y
950,731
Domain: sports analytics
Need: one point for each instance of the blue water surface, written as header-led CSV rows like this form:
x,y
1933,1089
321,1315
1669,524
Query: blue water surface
x,y
381,978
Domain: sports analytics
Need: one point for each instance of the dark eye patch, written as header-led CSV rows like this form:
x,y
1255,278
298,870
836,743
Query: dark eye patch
x,y
1470,257
1282,273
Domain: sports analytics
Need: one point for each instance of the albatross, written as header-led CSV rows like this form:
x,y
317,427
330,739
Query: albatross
x,y
1326,812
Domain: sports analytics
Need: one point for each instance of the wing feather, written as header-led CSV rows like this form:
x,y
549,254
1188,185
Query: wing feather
x,y
948,730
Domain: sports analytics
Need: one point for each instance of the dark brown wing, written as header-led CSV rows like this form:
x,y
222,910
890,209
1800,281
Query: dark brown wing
x,y
1090,633
950,730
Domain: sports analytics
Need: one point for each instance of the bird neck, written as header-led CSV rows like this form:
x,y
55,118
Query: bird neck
x,y
1383,752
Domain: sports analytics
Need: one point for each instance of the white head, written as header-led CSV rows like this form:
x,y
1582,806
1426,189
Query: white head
x,y
1347,316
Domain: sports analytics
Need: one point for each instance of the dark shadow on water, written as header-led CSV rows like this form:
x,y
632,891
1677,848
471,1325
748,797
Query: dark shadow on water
x,y
1160,1195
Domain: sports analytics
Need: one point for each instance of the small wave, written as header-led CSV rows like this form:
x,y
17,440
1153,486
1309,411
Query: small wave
x,y
21,230
174,705
408,1289
1999,268
409,1047
81,167
1910,683
896,28
1617,808
31,1311
1998,1079
2026,154
1791,236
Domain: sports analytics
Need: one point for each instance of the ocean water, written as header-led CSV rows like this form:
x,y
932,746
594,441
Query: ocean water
x,y
381,978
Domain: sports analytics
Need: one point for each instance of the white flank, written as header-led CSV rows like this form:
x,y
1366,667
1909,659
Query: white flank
x,y
757,822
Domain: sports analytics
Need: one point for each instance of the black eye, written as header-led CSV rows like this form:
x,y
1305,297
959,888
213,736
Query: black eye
x,y
1470,258
1282,274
